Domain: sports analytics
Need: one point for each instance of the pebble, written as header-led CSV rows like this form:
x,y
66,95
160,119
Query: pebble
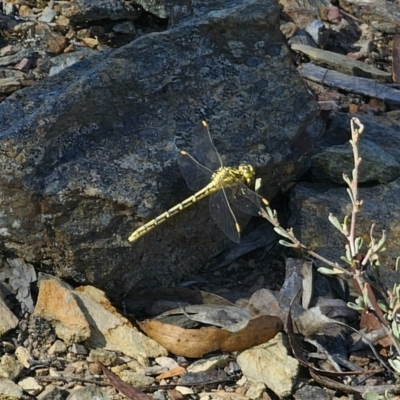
x,y
159,395
106,357
10,367
9,390
23,356
79,349
58,347
31,386
184,390
88,393
167,362
208,364
48,15
135,379
255,391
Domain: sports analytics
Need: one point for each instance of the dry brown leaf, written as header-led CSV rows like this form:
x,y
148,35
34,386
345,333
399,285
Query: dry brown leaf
x,y
123,387
172,372
197,342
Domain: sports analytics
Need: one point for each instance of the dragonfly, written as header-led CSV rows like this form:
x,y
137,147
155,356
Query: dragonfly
x,y
227,187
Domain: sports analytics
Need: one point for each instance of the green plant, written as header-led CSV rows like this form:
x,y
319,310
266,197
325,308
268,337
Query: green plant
x,y
386,310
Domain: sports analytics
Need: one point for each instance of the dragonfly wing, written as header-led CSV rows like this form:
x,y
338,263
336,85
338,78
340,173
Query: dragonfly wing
x,y
204,149
196,175
245,200
223,215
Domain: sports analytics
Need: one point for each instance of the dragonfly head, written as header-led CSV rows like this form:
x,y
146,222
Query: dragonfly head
x,y
247,173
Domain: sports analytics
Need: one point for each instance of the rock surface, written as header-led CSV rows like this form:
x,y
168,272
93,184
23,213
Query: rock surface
x,y
86,315
9,390
8,320
90,154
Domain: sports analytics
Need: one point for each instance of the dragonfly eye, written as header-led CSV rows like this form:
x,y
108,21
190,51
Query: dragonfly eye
x,y
247,172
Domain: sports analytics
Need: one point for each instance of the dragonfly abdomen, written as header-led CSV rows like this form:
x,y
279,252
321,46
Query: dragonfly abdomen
x,y
206,191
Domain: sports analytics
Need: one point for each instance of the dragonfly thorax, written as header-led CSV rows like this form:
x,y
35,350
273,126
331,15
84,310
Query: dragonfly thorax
x,y
228,176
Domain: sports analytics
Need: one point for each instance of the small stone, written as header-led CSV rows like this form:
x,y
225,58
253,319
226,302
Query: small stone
x,y
52,392
154,370
58,347
135,379
88,393
23,356
311,392
8,347
79,366
184,390
334,15
208,364
41,371
271,364
10,367
166,362
106,357
255,391
159,395
8,9
48,15
9,50
94,368
134,365
242,381
119,368
315,29
8,320
25,11
31,386
79,349
53,372
9,390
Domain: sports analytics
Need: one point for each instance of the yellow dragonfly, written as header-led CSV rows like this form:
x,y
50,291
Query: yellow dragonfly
x,y
226,187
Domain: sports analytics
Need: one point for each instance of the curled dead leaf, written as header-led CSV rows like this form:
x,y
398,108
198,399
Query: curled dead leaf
x,y
197,342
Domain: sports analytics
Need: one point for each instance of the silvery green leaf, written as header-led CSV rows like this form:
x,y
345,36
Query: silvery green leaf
x,y
343,258
395,364
257,184
380,246
370,395
348,254
346,179
383,306
354,306
395,329
335,222
328,271
345,223
282,232
286,244
358,243
350,193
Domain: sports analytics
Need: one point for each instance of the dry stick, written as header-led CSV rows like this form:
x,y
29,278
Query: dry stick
x,y
141,388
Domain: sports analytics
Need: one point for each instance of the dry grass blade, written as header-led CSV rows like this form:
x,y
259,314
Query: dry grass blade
x,y
127,390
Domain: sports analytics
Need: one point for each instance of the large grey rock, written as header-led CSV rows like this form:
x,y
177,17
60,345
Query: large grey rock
x,y
377,164
311,203
90,153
